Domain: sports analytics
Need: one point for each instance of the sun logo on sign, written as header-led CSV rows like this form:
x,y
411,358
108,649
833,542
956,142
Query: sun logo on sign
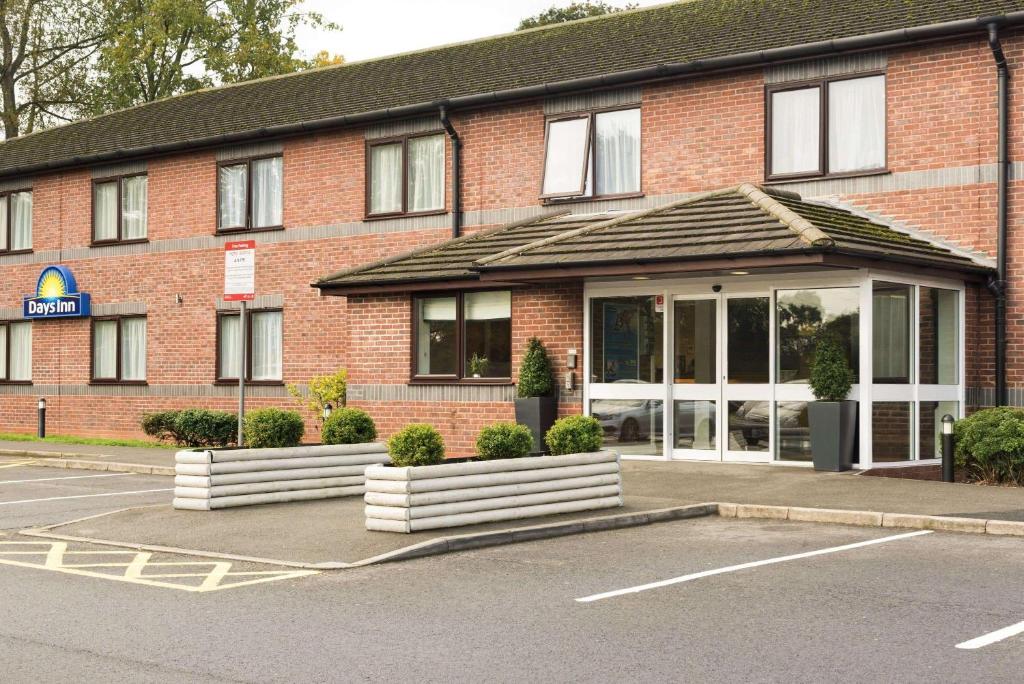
x,y
52,284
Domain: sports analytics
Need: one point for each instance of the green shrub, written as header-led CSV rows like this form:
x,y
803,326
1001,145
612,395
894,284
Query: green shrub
x,y
349,426
831,375
990,445
321,391
504,440
536,379
273,428
415,445
205,428
160,425
574,435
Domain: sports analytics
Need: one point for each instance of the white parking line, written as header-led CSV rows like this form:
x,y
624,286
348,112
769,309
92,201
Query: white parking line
x,y
69,477
992,637
83,496
746,566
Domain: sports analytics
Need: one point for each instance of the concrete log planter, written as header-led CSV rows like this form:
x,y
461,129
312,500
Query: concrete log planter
x,y
225,478
455,494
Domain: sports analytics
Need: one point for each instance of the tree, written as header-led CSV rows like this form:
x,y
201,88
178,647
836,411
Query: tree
x,y
571,12
45,50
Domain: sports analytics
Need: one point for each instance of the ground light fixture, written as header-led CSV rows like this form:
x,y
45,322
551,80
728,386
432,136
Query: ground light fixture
x,y
327,411
42,417
947,448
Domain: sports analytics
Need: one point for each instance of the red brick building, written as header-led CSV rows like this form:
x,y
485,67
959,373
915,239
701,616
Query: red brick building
x,y
882,117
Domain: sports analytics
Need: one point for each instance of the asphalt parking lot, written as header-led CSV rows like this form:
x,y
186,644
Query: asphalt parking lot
x,y
696,600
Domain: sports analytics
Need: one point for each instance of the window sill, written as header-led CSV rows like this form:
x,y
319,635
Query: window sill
x,y
802,178
130,383
249,383
236,231
484,382
14,252
115,243
399,215
551,201
16,383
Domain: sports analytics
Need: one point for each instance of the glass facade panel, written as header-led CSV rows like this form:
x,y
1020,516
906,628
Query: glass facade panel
x,y
939,336
694,423
748,321
626,340
436,328
696,341
891,433
930,426
488,336
631,426
792,431
891,332
804,315
749,425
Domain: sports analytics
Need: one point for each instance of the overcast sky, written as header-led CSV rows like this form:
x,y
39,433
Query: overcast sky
x,y
373,28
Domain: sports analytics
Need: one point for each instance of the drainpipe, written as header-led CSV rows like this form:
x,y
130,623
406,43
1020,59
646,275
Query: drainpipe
x,y
998,284
456,172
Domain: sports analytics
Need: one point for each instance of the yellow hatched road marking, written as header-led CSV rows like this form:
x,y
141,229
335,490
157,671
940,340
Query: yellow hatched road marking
x,y
15,465
53,557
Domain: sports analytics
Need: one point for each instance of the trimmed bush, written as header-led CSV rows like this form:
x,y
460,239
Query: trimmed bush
x,y
831,375
504,440
349,426
536,379
203,427
574,435
990,446
160,425
272,428
415,445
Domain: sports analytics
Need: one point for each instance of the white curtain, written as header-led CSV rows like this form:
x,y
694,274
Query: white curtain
x,y
856,124
266,193
426,173
796,129
21,220
104,211
133,349
891,341
134,207
618,152
947,336
232,180
266,345
104,350
3,223
487,306
567,145
229,352
3,353
386,178
21,352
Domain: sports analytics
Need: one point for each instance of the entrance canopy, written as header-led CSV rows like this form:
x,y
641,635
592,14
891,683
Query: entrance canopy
x,y
744,227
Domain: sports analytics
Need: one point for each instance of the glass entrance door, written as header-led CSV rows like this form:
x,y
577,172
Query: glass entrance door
x,y
721,378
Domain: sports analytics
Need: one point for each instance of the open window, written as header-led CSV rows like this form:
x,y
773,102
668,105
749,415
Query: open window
x,y
595,154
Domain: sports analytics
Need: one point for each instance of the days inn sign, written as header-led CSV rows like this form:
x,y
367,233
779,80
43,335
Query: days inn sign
x,y
56,296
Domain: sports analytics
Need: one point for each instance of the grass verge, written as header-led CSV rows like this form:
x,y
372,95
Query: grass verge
x,y
92,441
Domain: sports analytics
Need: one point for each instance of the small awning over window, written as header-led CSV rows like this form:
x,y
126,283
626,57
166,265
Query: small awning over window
x,y
742,227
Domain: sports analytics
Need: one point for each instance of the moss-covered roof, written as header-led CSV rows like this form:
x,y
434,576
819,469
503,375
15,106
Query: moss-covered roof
x,y
688,32
734,223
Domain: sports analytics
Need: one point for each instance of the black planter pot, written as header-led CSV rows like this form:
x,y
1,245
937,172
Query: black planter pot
x,y
833,434
538,414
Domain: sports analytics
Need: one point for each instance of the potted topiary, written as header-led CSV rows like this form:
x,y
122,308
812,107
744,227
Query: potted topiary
x,y
536,393
833,418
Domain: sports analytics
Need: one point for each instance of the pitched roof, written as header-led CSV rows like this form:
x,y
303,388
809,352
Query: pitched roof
x,y
675,38
742,221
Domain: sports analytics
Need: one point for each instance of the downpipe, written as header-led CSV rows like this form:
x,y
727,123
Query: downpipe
x,y
998,285
456,172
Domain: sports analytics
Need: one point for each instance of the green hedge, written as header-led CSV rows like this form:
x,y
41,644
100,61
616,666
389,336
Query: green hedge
x,y
192,427
273,428
574,435
504,440
349,426
990,446
415,445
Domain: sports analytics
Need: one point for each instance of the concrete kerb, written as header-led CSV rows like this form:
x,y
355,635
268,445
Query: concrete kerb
x,y
73,461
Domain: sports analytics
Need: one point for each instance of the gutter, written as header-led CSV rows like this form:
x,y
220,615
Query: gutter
x,y
661,71
456,172
998,284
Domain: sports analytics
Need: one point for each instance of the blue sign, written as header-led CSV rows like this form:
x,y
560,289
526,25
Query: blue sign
x,y
56,296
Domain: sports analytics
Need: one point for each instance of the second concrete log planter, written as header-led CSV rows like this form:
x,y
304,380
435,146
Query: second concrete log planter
x,y
455,494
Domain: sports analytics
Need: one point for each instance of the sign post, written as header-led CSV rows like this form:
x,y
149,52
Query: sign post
x,y
240,286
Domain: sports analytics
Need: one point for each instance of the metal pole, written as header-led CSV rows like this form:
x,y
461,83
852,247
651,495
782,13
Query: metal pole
x,y
947,448
243,365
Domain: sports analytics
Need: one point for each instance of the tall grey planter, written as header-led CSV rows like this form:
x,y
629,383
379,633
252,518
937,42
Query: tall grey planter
x,y
833,434
538,414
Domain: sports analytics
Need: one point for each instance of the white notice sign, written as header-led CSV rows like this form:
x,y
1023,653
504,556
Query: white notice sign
x,y
240,271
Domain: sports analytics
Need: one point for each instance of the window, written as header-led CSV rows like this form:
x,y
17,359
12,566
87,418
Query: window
x,y
463,336
119,209
16,221
406,175
593,155
939,320
891,332
249,194
119,349
804,315
15,352
264,357
626,339
833,126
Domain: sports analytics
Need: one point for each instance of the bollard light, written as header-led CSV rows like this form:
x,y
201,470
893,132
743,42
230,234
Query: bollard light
x,y
41,431
327,411
947,448
947,424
